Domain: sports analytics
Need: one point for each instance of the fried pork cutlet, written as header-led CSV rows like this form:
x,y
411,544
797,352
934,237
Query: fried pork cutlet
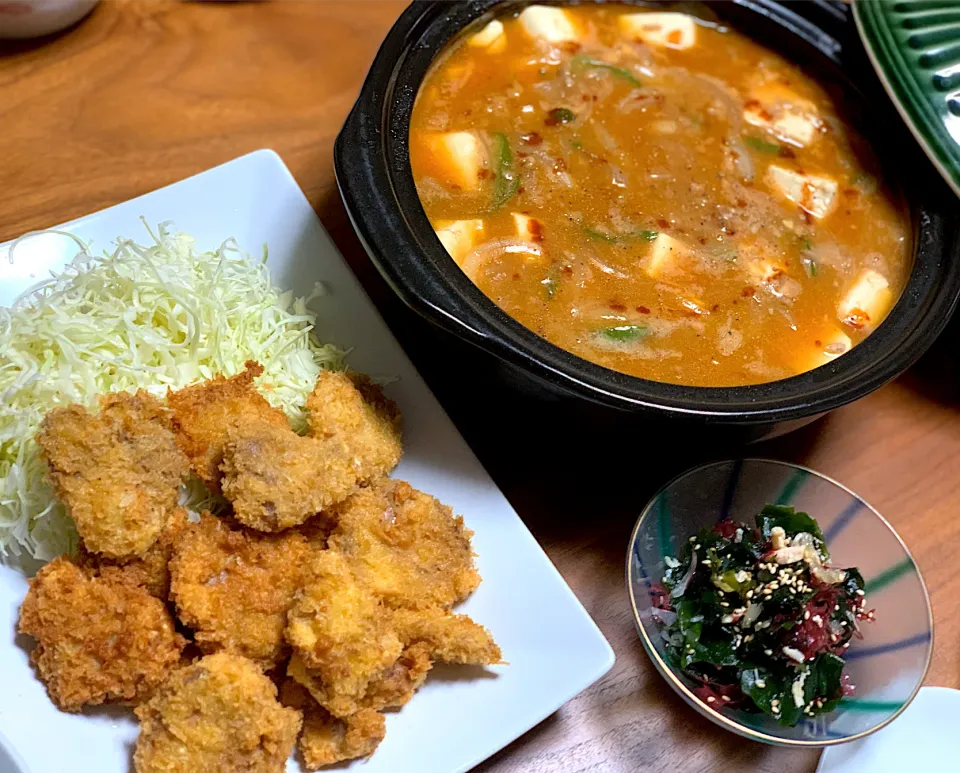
x,y
218,714
448,637
389,689
204,412
234,587
408,547
352,412
341,635
276,479
150,571
97,639
118,471
325,739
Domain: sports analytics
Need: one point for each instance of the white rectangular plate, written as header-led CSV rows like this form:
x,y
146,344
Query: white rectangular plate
x,y
461,716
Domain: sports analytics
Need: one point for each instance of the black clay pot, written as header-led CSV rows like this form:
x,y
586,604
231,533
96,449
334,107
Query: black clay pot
x,y
373,171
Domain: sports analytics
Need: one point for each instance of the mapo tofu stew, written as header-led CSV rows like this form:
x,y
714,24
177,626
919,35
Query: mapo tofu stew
x,y
657,194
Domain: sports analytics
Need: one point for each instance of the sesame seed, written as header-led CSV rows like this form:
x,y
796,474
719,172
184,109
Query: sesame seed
x,y
707,562
818,620
693,539
836,608
806,615
725,697
689,650
861,593
697,546
761,684
710,699
768,652
724,603
749,594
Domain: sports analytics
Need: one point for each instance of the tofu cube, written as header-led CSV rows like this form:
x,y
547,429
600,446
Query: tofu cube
x,y
828,346
459,236
528,228
666,256
549,23
812,193
460,156
775,108
667,30
762,271
492,38
867,300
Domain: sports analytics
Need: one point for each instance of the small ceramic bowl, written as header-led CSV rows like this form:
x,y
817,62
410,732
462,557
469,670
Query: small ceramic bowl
x,y
887,665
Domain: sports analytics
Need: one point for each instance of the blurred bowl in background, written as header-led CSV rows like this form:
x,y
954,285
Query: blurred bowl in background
x,y
34,18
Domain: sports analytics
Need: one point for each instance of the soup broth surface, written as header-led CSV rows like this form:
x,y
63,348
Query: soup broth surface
x,y
657,193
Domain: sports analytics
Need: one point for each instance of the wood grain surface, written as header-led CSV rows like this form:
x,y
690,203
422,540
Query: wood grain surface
x,y
146,92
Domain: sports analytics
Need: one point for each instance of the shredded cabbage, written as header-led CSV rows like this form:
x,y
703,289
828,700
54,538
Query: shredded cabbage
x,y
150,317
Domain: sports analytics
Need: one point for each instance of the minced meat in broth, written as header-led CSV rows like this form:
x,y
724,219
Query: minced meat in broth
x,y
657,194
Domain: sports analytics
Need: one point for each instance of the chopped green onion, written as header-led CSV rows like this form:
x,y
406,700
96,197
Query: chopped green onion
x,y
599,64
506,183
576,145
762,145
602,236
624,332
811,266
551,284
562,115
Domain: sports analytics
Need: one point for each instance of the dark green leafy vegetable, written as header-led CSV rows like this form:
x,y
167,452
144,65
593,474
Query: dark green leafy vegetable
x,y
506,183
598,64
562,115
792,522
754,632
761,145
624,332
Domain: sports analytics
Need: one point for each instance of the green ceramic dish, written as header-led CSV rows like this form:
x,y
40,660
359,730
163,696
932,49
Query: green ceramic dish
x,y
915,48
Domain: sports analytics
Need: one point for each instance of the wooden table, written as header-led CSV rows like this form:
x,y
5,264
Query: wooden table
x,y
145,93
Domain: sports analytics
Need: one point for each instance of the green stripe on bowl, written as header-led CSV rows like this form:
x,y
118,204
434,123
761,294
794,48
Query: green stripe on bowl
x,y
663,526
790,487
856,704
888,576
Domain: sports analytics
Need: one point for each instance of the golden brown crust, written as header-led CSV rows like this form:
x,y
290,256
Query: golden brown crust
x,y
353,412
234,587
118,471
276,479
204,412
150,571
325,739
341,636
219,714
449,638
407,546
97,640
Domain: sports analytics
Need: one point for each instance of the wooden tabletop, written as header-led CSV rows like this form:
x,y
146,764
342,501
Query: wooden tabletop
x,y
147,92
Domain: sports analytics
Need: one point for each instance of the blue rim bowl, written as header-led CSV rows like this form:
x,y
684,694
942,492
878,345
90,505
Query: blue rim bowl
x,y
887,665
